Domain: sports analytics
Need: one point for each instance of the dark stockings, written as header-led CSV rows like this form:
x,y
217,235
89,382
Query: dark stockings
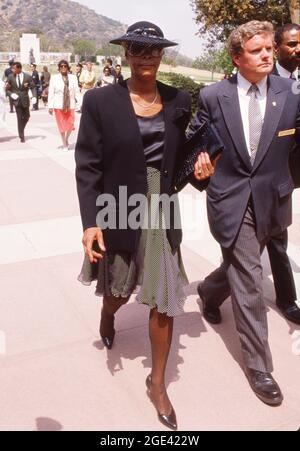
x,y
160,332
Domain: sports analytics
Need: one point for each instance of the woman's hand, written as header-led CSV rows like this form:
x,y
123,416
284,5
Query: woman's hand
x,y
204,168
91,235
51,111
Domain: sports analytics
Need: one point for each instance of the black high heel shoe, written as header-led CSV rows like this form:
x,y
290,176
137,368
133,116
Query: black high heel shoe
x,y
106,330
167,420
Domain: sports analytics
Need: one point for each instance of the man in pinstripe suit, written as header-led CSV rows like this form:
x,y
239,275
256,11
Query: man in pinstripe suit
x,y
249,196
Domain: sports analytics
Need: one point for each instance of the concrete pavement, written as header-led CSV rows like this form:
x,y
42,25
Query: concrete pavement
x,y
55,374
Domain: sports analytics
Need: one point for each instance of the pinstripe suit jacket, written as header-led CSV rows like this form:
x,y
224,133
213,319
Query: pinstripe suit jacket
x,y
268,181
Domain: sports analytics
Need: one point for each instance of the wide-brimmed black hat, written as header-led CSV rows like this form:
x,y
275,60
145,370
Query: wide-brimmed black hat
x,y
144,33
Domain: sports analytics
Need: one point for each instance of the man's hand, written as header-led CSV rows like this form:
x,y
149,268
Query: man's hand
x,y
51,111
14,96
91,235
204,168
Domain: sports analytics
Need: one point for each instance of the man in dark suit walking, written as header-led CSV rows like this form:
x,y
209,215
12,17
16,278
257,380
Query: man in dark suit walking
x,y
214,288
19,84
249,197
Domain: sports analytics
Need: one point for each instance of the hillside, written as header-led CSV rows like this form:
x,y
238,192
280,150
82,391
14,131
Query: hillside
x,y
61,21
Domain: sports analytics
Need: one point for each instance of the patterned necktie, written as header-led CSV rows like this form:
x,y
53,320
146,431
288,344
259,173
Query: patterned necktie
x,y
255,122
19,81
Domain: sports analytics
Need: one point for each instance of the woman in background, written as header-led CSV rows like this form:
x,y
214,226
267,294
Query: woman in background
x,y
63,94
106,79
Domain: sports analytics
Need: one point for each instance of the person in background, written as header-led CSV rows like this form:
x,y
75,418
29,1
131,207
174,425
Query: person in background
x,y
8,71
63,94
118,77
287,48
109,64
45,81
78,69
18,85
2,104
106,79
87,78
36,81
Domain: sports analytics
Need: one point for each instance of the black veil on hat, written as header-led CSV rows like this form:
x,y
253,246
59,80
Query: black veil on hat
x,y
144,33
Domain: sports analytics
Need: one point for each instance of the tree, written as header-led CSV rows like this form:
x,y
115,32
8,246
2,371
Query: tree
x,y
214,60
49,45
84,47
170,57
294,7
179,81
219,17
110,50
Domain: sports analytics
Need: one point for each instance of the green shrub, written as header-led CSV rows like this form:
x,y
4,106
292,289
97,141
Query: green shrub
x,y
181,82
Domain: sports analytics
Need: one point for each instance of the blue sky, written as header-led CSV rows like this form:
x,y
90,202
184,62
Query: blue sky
x,y
175,17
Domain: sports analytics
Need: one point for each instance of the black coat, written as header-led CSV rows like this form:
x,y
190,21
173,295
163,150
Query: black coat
x,y
35,78
268,181
22,91
109,153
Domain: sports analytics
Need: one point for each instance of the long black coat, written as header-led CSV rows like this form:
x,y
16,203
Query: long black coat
x,y
295,153
109,153
269,181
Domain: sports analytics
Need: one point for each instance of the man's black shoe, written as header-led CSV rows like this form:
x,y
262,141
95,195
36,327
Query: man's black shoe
x,y
22,140
211,314
265,387
292,313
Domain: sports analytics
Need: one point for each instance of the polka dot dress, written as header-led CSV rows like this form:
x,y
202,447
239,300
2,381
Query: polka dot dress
x,y
154,268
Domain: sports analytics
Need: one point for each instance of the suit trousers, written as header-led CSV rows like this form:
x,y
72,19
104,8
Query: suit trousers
x,y
23,116
11,104
35,93
243,270
216,287
281,269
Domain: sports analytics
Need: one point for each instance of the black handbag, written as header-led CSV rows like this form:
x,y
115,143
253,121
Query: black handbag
x,y
205,139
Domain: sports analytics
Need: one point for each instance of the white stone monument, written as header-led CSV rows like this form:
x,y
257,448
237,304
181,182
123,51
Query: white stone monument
x,y
30,49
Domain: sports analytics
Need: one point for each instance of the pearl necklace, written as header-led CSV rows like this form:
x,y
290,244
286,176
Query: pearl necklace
x,y
146,107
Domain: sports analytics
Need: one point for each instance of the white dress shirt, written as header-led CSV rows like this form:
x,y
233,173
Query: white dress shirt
x,y
244,100
286,73
21,76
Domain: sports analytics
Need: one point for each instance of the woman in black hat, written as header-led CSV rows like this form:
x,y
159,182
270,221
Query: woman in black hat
x,y
133,144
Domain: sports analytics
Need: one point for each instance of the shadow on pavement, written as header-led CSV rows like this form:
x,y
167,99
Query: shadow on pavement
x,y
35,137
47,424
7,139
134,343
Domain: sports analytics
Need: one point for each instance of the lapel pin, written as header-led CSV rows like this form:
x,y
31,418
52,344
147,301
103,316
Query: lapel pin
x,y
274,103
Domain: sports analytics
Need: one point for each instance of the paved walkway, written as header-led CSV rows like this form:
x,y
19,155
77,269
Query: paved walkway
x,y
55,374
